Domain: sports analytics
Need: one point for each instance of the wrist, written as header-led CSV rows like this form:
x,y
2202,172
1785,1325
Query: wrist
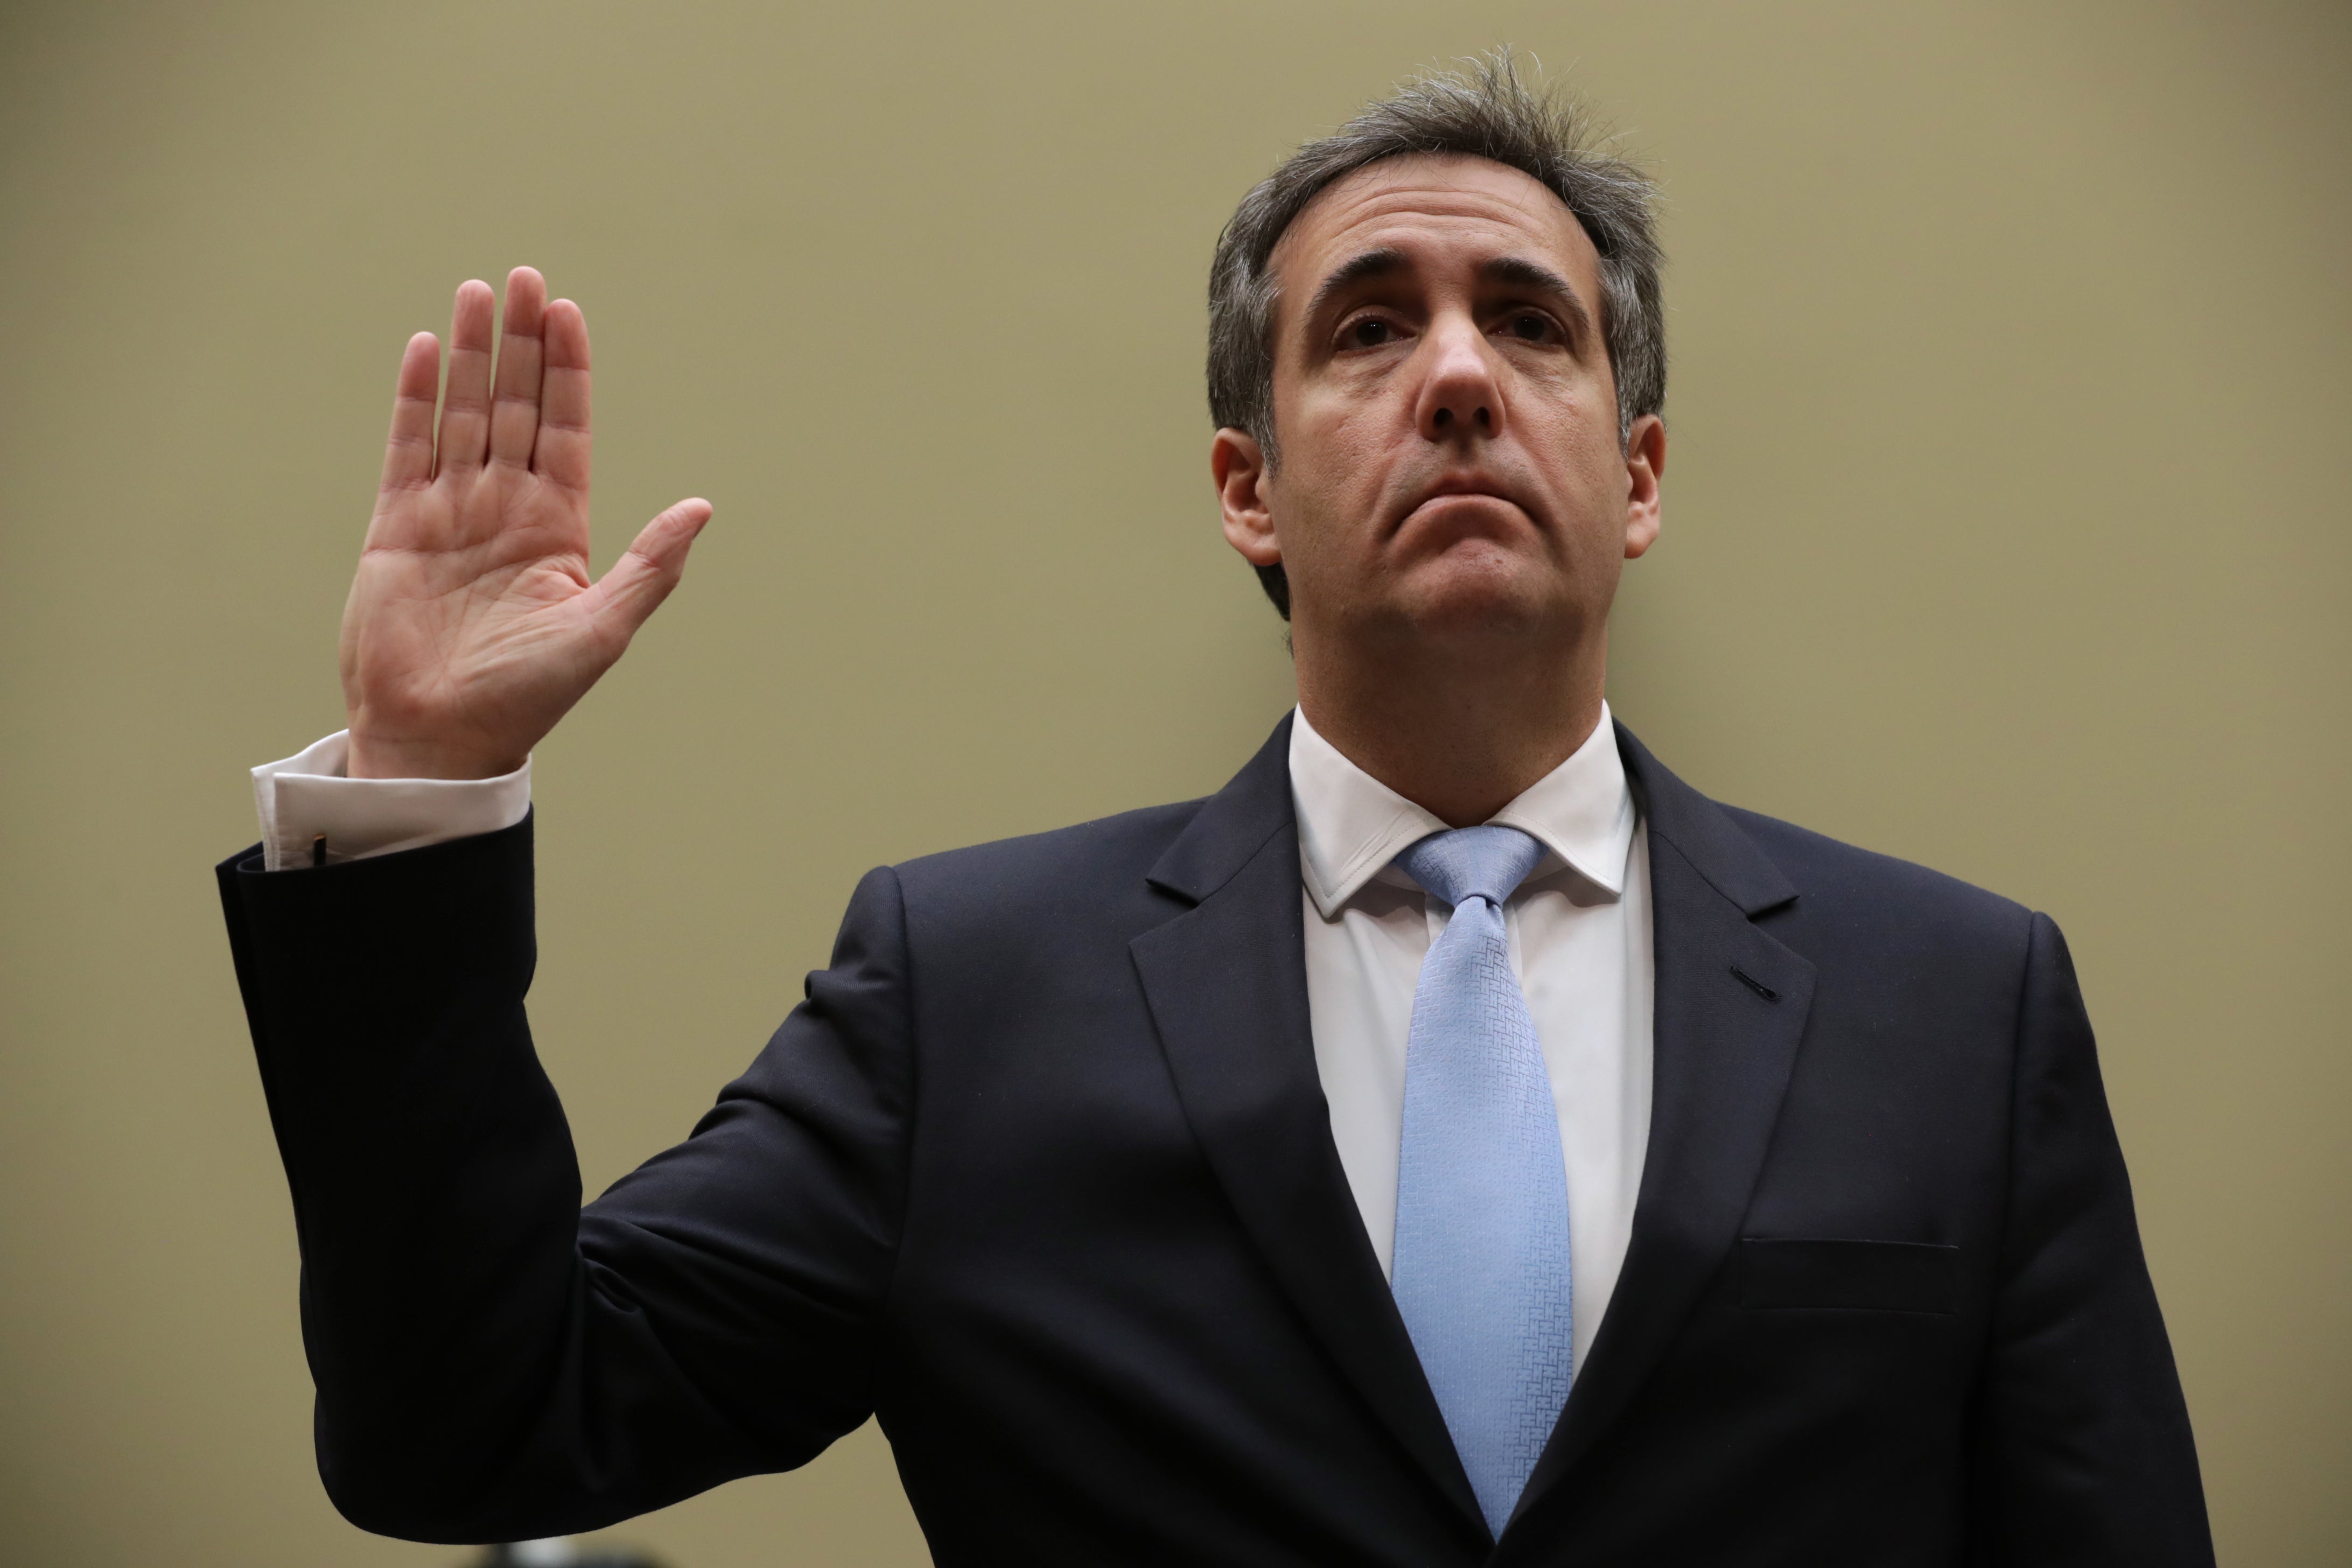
x,y
386,757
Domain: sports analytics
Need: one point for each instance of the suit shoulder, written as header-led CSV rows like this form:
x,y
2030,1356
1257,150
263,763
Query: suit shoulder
x,y
1062,864
1840,881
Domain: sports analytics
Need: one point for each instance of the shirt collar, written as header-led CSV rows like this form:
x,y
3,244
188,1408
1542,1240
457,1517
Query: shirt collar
x,y
1351,826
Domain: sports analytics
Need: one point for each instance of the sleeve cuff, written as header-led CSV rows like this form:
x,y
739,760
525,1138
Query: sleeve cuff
x,y
306,799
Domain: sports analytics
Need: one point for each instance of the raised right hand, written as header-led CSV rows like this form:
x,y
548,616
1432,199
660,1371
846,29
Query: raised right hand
x,y
473,625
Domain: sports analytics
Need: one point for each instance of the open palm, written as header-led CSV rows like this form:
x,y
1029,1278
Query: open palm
x,y
473,625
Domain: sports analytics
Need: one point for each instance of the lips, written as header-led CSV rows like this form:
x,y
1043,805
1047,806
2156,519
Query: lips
x,y
1459,485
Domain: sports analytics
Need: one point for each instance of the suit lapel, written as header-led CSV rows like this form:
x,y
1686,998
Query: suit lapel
x,y
1227,984
1723,1051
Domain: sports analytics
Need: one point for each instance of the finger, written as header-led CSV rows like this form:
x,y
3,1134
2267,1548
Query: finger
x,y
561,454
408,452
514,411
465,407
646,572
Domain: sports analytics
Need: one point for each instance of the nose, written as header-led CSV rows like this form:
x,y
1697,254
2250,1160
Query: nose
x,y
1460,398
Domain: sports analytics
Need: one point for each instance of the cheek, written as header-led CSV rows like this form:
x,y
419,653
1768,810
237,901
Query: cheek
x,y
1578,450
1334,434
1330,473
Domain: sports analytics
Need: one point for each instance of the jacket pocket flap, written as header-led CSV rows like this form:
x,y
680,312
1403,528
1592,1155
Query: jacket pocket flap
x,y
1871,1276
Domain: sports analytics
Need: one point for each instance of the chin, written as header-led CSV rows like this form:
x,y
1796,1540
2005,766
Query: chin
x,y
1492,596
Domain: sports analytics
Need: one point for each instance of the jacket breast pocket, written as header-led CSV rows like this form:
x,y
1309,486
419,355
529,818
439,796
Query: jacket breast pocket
x,y
1864,1275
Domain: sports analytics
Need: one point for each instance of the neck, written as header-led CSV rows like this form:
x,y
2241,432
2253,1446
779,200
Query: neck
x,y
1460,732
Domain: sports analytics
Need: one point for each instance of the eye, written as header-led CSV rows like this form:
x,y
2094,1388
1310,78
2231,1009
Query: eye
x,y
1531,327
1367,333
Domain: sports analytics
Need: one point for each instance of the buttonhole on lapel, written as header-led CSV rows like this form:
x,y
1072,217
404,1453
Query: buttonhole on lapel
x,y
1755,984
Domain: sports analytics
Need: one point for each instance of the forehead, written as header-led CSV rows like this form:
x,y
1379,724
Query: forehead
x,y
1442,212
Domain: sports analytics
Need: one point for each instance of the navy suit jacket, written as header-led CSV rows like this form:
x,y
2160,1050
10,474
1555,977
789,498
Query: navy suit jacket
x,y
1041,1174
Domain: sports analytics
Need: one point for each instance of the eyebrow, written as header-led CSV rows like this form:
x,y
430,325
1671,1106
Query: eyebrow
x,y
1535,276
1516,271
1384,262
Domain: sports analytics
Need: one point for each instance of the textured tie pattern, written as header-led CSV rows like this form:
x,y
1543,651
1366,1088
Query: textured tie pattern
x,y
1481,1269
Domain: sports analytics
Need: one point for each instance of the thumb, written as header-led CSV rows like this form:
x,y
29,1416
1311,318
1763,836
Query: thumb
x,y
645,573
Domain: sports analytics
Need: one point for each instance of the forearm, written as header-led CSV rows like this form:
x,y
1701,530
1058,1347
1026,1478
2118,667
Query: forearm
x,y
434,1187
491,1364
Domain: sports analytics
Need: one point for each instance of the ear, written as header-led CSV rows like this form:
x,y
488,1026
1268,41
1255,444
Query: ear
x,y
1645,463
1238,465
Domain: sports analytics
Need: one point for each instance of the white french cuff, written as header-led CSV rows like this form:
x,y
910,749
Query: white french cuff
x,y
310,811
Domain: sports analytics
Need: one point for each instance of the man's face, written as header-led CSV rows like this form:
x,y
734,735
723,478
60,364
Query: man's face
x,y
1450,470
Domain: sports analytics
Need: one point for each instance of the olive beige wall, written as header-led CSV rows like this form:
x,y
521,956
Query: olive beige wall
x,y
2006,530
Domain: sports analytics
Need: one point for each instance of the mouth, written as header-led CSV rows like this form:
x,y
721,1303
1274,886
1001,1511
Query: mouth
x,y
1467,495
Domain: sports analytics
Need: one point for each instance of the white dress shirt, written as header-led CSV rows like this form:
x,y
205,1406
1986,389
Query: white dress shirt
x,y
1580,940
1579,932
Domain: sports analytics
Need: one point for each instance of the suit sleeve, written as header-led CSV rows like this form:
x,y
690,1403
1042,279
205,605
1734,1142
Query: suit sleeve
x,y
2081,1445
494,1362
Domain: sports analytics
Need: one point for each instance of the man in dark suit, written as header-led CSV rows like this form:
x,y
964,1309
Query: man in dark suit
x,y
1455,1140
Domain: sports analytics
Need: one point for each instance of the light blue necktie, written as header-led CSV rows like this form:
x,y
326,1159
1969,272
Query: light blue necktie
x,y
1481,1267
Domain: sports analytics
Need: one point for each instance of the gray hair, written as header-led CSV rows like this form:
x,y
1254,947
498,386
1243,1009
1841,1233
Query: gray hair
x,y
1485,112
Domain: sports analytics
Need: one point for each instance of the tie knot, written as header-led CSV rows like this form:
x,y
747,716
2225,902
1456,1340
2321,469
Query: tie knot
x,y
1486,862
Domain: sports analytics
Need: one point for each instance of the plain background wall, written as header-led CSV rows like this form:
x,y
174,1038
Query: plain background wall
x,y
2005,531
